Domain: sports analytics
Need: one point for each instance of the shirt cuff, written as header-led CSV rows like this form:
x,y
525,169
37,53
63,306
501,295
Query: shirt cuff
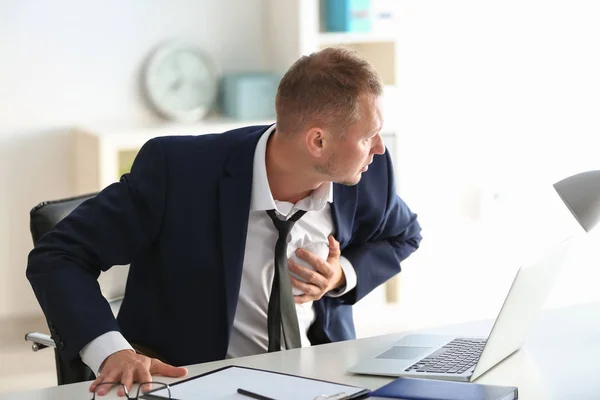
x,y
351,279
95,352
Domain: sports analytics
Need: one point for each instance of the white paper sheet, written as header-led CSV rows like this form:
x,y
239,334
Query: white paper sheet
x,y
223,385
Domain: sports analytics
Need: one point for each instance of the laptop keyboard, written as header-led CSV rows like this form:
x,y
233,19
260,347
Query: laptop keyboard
x,y
456,357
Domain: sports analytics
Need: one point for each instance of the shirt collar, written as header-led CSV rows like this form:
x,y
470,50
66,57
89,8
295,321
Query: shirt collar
x,y
262,198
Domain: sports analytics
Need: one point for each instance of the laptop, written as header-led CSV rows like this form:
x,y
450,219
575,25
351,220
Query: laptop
x,y
466,358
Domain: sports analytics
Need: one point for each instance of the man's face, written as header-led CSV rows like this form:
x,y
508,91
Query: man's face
x,y
354,150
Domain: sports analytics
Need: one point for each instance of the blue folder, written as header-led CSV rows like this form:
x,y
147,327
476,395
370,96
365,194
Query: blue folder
x,y
429,389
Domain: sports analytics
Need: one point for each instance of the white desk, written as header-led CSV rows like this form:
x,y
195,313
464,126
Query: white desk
x,y
569,338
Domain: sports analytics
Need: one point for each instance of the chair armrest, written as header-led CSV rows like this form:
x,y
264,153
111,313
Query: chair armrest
x,y
39,340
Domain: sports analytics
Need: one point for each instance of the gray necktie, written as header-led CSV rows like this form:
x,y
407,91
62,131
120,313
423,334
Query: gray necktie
x,y
282,310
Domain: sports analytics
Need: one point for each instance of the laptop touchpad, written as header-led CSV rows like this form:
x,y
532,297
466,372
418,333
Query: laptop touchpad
x,y
403,352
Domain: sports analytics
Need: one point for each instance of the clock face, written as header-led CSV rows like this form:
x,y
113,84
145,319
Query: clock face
x,y
180,81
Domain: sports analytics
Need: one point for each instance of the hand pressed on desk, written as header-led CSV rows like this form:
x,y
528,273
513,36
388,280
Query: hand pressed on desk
x,y
127,367
326,275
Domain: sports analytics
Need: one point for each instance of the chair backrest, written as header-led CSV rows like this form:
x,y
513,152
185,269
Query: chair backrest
x,y
42,219
45,215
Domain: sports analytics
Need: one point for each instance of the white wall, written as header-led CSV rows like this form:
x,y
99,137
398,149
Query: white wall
x,y
497,101
64,62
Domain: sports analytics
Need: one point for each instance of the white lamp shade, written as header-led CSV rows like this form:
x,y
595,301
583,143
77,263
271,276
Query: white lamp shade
x,y
581,194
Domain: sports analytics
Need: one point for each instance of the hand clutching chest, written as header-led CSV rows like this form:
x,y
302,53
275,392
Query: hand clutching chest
x,y
316,270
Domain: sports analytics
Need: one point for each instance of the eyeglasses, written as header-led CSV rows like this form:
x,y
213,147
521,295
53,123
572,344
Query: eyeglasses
x,y
144,388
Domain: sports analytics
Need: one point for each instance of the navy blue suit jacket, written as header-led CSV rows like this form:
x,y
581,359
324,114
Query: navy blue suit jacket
x,y
180,219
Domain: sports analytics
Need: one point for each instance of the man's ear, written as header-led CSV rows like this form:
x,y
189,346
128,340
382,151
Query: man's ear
x,y
315,141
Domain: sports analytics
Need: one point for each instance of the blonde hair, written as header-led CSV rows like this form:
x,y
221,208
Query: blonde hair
x,y
324,89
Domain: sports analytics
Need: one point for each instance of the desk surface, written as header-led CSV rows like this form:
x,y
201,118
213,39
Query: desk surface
x,y
559,361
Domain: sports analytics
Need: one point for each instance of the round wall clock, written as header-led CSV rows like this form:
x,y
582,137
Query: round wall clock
x,y
180,81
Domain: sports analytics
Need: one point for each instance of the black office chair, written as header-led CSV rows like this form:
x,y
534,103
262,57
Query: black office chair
x,y
43,217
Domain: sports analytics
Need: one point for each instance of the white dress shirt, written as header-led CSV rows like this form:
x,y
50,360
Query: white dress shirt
x,y
249,333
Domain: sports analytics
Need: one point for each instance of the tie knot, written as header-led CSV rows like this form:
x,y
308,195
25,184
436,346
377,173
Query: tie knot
x,y
285,226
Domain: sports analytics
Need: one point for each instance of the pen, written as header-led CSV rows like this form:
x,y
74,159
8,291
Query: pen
x,y
253,395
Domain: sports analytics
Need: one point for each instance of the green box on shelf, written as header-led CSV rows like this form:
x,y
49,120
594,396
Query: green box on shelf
x,y
347,15
249,96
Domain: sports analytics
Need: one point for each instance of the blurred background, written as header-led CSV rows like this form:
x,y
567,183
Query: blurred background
x,y
486,105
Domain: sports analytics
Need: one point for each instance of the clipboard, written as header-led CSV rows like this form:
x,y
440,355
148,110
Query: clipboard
x,y
223,384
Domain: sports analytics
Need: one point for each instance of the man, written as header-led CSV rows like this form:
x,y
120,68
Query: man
x,y
201,221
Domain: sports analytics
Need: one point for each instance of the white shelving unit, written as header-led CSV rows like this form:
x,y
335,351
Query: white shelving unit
x,y
104,152
294,28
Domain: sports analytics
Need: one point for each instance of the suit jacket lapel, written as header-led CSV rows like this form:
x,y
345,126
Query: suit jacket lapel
x,y
235,188
343,209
